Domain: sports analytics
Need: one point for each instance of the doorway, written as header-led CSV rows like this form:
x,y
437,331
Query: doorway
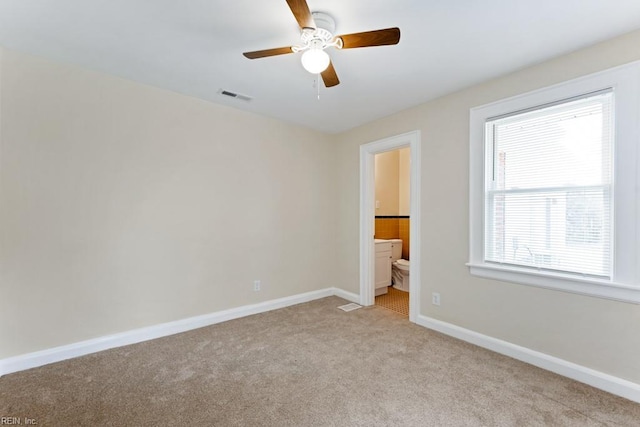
x,y
367,217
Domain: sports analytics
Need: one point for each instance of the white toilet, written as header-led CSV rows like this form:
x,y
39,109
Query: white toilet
x,y
400,267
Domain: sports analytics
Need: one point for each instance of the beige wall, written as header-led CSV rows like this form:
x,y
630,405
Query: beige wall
x,y
392,176
386,182
592,332
123,206
404,179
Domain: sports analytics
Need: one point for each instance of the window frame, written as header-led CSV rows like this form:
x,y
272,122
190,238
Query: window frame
x,y
624,284
557,189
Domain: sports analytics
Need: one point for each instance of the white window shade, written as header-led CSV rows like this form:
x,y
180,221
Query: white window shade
x,y
549,187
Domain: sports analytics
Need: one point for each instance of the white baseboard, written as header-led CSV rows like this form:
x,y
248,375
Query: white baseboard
x,y
349,296
57,354
597,379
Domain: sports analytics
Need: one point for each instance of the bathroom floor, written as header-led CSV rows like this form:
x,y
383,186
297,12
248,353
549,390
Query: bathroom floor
x,y
394,300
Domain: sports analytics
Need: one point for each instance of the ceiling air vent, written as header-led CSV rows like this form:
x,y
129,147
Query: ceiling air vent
x,y
235,95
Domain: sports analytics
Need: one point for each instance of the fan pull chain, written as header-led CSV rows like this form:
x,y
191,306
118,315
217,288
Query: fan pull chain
x,y
316,84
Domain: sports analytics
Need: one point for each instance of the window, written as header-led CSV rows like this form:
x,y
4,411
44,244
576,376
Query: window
x,y
553,187
548,188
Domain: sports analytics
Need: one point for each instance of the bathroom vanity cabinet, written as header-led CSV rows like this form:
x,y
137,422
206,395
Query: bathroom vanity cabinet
x,y
382,266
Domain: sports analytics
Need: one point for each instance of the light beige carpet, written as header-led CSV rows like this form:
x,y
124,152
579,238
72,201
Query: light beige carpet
x,y
306,365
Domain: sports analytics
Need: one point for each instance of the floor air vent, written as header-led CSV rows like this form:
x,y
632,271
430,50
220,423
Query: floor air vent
x,y
350,307
235,95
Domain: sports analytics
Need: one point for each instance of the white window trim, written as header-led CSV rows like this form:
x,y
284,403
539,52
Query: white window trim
x,y
624,286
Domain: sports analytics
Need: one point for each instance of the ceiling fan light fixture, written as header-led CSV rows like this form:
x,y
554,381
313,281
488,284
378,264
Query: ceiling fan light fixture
x,y
315,60
317,34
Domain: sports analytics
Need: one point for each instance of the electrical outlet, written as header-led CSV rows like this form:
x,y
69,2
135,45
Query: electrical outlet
x,y
256,285
435,298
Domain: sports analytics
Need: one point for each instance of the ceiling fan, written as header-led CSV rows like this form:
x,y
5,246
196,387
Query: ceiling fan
x,y
317,35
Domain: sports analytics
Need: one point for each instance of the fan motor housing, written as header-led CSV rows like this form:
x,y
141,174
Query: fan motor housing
x,y
324,21
322,35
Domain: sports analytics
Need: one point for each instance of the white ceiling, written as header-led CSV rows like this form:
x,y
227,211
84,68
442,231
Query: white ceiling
x,y
195,47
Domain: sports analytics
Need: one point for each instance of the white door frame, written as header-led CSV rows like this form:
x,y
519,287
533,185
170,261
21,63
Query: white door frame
x,y
367,217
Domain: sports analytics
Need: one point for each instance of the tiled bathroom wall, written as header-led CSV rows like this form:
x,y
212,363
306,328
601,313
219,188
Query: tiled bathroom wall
x,y
404,224
387,228
394,228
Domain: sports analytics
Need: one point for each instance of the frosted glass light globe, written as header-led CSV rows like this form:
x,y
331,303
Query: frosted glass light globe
x,y
315,60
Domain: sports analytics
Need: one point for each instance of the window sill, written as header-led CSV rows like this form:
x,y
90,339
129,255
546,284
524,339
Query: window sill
x,y
591,287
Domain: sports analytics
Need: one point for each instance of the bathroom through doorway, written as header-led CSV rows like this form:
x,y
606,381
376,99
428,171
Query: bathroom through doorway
x,y
390,224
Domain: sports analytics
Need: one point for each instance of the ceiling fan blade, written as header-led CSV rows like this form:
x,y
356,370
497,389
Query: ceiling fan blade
x,y
329,76
371,38
300,10
268,52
